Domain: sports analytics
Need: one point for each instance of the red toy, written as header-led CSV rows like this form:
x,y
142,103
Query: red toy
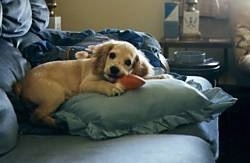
x,y
131,81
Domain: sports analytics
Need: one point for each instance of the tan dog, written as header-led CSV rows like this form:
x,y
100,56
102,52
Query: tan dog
x,y
50,84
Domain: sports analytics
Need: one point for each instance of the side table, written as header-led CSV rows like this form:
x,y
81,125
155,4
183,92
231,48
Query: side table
x,y
210,70
218,43
213,43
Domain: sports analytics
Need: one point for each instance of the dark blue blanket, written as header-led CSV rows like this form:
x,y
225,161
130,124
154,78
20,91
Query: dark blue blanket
x,y
54,44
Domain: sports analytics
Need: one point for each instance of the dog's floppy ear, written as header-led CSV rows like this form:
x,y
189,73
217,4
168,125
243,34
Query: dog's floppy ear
x,y
100,52
141,66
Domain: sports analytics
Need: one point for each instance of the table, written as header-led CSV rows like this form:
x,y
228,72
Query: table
x,y
219,43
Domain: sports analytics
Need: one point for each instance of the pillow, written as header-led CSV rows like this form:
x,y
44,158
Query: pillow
x,y
16,20
157,106
40,15
12,65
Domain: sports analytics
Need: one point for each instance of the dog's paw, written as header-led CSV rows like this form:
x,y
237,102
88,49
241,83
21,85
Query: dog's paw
x,y
115,89
40,117
82,55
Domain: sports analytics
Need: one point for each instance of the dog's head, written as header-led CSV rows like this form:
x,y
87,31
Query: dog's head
x,y
117,58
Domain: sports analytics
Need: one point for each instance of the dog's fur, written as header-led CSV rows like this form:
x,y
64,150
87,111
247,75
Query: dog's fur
x,y
50,84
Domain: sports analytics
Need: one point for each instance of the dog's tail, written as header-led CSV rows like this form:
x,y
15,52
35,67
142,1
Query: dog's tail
x,y
17,88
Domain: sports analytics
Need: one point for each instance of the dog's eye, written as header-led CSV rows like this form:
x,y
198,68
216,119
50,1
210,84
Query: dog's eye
x,y
128,62
112,55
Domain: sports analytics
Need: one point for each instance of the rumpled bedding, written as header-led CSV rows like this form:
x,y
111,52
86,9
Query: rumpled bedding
x,y
56,45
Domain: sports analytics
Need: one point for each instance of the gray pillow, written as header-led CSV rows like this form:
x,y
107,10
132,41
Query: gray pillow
x,y
157,106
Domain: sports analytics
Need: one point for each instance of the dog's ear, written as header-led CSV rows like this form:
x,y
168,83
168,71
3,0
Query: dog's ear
x,y
103,48
101,52
141,66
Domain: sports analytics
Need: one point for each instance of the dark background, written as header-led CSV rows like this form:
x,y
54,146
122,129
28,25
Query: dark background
x,y
235,128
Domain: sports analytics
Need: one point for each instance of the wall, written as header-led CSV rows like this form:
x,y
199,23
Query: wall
x,y
142,15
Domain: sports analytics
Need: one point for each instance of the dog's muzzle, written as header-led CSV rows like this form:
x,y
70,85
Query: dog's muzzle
x,y
114,74
114,71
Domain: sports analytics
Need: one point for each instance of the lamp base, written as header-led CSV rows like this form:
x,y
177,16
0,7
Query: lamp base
x,y
190,26
55,22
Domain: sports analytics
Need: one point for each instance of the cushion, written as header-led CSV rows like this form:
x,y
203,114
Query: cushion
x,y
16,17
8,124
40,15
157,106
127,149
20,16
12,65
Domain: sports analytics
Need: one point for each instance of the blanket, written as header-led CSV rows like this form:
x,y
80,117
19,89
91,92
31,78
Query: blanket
x,y
61,45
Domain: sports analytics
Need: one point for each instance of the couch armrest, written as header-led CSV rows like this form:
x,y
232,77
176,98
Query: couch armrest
x,y
12,65
8,124
12,68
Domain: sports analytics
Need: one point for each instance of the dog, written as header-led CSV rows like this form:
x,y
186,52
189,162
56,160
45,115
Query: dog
x,y
50,84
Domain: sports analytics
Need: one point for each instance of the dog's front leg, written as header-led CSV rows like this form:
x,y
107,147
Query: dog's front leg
x,y
103,87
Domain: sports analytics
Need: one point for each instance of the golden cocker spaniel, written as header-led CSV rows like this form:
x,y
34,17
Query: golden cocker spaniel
x,y
50,84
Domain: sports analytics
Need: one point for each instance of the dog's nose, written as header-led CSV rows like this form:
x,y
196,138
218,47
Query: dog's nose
x,y
114,70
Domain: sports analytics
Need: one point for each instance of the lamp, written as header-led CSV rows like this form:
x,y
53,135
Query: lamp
x,y
171,20
51,5
190,23
55,21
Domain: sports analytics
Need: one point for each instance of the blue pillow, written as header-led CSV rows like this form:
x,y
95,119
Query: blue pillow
x,y
16,18
40,15
157,106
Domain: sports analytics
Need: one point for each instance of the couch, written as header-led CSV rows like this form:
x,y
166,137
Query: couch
x,y
26,42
